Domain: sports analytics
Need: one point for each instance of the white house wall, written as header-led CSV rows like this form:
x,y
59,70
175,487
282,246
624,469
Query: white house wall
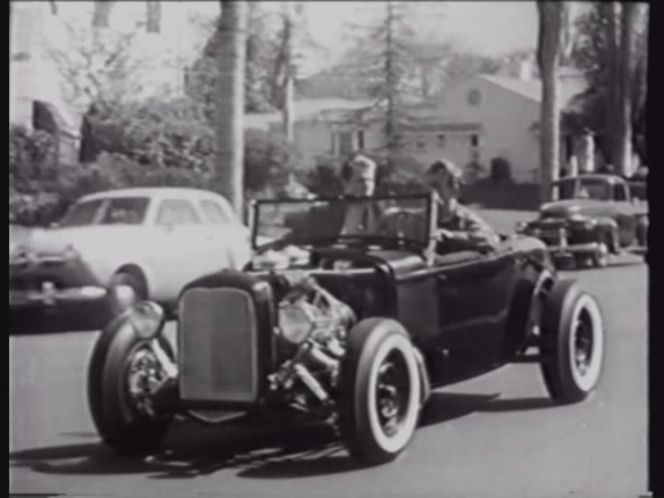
x,y
506,118
426,147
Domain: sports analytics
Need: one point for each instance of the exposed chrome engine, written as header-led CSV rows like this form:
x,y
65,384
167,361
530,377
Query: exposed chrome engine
x,y
311,332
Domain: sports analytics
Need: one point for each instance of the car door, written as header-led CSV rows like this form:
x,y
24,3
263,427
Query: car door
x,y
473,298
227,243
179,250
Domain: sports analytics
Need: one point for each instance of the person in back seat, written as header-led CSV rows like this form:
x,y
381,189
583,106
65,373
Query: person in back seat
x,y
459,228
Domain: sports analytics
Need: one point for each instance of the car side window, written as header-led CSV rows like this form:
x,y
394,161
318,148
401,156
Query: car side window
x,y
619,193
177,212
215,214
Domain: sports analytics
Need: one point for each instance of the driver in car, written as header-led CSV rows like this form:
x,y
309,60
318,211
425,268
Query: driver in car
x,y
359,176
459,228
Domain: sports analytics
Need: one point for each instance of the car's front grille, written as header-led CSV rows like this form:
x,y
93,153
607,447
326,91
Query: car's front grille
x,y
218,345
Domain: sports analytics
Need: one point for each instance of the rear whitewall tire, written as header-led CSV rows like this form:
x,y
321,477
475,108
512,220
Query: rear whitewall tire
x,y
574,343
587,380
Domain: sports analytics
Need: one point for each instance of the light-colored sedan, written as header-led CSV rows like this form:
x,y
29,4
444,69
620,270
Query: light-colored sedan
x,y
123,244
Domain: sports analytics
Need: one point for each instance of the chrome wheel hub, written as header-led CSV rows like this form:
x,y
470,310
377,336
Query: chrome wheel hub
x,y
583,343
392,393
144,377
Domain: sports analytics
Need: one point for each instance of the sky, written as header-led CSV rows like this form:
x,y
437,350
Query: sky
x,y
490,28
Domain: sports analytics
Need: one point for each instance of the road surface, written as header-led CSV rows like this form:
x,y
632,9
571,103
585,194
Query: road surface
x,y
494,436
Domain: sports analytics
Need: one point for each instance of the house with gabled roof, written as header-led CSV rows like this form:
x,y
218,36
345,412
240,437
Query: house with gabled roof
x,y
473,122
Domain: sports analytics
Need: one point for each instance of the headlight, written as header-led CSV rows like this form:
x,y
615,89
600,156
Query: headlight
x,y
146,319
295,322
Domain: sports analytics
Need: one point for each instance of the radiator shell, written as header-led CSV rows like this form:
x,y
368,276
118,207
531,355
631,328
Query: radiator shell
x,y
225,340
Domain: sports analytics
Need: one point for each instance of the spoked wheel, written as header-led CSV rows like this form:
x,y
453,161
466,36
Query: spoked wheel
x,y
123,375
573,329
380,391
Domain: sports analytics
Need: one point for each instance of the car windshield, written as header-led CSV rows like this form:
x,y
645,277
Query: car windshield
x,y
117,210
375,220
582,188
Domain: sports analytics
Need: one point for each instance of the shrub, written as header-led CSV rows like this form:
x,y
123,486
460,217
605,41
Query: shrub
x,y
268,158
324,180
501,170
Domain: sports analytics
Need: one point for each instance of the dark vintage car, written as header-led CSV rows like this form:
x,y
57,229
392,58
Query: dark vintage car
x,y
594,216
353,330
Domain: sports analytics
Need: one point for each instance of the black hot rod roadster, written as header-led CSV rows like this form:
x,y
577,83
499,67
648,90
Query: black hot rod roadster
x,y
353,329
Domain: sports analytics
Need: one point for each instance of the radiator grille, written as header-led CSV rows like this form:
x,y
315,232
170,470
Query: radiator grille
x,y
218,346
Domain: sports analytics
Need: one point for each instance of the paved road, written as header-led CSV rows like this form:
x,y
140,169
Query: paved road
x,y
495,436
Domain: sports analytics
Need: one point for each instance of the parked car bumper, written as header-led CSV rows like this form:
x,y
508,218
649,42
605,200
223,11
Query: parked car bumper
x,y
72,308
589,249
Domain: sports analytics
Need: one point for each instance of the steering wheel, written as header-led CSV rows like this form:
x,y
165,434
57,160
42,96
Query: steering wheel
x,y
403,223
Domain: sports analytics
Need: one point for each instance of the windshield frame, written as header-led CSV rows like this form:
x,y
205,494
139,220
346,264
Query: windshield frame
x,y
348,239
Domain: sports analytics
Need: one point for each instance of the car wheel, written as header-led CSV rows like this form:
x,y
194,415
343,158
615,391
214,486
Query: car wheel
x,y
573,335
380,391
125,290
122,372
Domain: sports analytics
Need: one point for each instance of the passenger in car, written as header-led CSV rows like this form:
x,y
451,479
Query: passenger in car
x,y
459,228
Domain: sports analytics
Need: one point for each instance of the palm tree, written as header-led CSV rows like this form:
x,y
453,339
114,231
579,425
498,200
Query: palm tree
x,y
229,118
553,43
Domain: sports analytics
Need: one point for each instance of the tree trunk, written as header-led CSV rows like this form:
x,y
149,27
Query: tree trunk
x,y
153,16
289,76
611,13
391,125
623,138
102,13
229,119
550,46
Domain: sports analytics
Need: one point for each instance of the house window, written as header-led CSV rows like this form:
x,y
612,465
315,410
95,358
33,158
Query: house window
x,y
441,141
345,143
360,139
333,143
474,141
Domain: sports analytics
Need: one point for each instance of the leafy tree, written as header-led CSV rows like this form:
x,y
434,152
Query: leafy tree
x,y
98,67
266,156
380,59
203,73
599,49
